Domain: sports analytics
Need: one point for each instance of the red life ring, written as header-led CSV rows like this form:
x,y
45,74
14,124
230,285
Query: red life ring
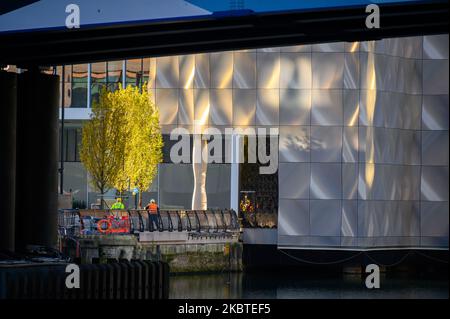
x,y
108,226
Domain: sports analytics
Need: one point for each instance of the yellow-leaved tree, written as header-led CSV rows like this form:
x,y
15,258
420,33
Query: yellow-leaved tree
x,y
122,143
143,147
103,144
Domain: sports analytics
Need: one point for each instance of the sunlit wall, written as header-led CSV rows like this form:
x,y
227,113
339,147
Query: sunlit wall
x,y
363,147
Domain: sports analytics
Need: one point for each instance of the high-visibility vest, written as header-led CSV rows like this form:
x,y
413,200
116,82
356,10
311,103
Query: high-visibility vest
x,y
118,205
153,208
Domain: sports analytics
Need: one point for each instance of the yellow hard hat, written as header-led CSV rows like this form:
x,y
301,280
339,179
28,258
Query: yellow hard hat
x,y
119,199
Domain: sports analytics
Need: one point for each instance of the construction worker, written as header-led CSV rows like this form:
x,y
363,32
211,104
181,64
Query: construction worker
x,y
152,208
118,204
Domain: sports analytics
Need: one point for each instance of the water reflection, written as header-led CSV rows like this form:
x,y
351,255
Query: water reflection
x,y
295,286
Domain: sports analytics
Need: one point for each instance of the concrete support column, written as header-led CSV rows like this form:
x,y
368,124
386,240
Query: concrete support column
x,y
8,102
37,160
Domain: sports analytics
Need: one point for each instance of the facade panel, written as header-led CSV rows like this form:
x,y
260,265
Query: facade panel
x,y
295,107
436,74
202,71
293,218
294,144
167,72
294,180
435,112
325,218
268,71
435,47
328,70
295,71
221,107
221,67
244,70
434,185
268,107
349,222
327,108
326,181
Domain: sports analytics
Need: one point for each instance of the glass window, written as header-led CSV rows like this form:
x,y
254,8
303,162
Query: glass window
x,y
146,70
218,186
80,73
71,144
176,184
74,84
64,144
115,71
98,80
78,96
48,70
98,72
134,72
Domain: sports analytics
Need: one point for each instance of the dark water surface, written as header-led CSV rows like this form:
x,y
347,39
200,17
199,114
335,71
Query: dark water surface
x,y
276,285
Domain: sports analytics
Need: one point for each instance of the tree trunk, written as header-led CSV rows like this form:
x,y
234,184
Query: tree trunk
x,y
140,200
102,192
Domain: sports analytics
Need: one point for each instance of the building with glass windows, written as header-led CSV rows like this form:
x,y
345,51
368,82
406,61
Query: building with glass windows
x,y
363,136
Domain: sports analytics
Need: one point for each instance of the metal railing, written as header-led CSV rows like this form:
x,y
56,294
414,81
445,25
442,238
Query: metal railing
x,y
72,223
69,222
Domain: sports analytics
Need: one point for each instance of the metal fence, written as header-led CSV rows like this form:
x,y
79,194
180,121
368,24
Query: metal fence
x,y
72,223
69,222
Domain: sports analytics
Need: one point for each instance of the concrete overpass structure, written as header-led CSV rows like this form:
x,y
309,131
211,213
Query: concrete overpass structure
x,y
367,168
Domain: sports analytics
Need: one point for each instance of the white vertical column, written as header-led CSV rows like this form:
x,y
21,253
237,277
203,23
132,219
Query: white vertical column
x,y
199,168
234,192
89,86
159,186
124,73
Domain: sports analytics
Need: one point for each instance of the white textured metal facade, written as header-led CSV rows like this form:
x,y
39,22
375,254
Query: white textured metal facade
x,y
364,140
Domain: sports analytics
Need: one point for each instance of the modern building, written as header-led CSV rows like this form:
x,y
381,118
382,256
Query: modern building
x,y
363,136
